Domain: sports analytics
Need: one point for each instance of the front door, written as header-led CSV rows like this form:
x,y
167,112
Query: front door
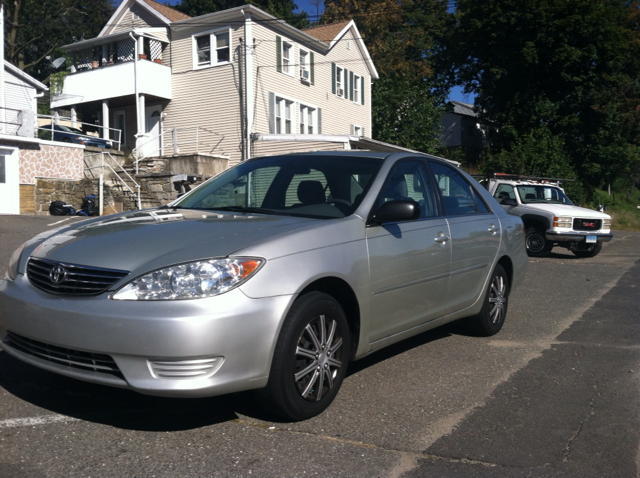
x,y
409,261
153,146
9,182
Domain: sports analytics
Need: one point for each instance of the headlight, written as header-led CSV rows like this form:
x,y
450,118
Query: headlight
x,y
562,221
193,280
606,223
14,262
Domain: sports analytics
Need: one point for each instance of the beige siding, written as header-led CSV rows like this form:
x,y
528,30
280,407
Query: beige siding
x,y
208,98
337,113
143,19
270,148
19,96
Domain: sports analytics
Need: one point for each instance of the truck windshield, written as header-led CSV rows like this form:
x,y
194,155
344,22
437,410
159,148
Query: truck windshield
x,y
542,194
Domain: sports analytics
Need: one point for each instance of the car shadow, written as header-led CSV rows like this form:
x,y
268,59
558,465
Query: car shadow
x,y
129,410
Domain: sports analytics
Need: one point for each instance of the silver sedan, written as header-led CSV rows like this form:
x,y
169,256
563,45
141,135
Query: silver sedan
x,y
271,276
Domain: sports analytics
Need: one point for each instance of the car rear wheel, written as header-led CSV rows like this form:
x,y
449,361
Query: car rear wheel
x,y
310,359
537,244
494,309
592,253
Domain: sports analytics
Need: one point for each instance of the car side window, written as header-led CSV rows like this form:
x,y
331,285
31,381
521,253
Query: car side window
x,y
457,195
504,191
408,181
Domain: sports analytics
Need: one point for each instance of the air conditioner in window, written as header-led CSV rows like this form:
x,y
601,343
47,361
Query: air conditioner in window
x,y
340,92
304,74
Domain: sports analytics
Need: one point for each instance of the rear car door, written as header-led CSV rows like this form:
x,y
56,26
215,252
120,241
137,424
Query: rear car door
x,y
475,236
409,261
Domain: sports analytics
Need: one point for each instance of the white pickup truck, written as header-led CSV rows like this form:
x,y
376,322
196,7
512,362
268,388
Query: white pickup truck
x,y
549,217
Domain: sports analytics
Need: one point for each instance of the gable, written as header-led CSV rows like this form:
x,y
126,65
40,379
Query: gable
x,y
141,14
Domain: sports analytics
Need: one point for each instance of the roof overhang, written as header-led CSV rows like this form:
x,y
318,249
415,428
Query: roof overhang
x,y
137,32
124,6
24,76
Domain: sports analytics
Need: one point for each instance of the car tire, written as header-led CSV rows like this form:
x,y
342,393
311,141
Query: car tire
x,y
537,244
592,253
303,385
494,308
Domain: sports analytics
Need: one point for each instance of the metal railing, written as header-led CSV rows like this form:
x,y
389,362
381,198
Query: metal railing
x,y
188,137
115,173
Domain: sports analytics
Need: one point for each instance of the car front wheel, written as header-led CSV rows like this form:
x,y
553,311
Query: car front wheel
x,y
537,244
310,359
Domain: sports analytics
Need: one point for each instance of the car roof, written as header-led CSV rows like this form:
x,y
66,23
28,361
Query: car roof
x,y
356,154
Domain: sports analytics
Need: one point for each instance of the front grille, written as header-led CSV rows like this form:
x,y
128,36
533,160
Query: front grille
x,y
71,279
71,358
587,224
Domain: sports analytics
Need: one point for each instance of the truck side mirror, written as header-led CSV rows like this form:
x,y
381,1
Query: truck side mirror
x,y
509,202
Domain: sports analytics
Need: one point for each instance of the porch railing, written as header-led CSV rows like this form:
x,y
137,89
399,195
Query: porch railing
x,y
193,140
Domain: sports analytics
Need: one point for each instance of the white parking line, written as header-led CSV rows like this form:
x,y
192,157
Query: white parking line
x,y
35,421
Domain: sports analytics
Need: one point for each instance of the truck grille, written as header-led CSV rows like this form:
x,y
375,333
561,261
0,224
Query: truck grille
x,y
586,224
71,279
63,356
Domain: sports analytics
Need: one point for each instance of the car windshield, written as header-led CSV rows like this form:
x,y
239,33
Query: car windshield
x,y
542,194
307,186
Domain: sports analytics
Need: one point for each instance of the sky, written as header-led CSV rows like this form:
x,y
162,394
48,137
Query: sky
x,y
306,5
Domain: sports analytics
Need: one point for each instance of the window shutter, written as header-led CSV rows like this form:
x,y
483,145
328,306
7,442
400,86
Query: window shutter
x,y
311,67
319,120
362,89
345,86
279,53
351,85
333,78
272,113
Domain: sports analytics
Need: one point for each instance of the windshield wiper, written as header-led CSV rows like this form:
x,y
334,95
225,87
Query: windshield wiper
x,y
257,210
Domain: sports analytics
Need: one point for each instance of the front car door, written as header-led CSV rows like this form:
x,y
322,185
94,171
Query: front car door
x,y
475,236
409,261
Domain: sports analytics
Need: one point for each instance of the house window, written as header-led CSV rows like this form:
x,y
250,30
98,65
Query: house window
x,y
283,116
307,120
287,54
357,79
340,77
305,73
212,48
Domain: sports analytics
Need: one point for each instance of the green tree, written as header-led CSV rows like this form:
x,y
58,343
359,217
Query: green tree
x,y
403,39
554,72
283,9
36,29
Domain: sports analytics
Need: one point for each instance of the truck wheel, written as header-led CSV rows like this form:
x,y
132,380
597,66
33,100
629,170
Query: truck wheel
x,y
537,244
592,253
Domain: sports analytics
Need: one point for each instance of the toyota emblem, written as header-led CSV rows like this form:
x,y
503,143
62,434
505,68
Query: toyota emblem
x,y
58,274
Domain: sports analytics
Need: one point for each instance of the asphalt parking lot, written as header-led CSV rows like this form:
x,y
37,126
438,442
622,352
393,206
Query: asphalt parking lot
x,y
555,393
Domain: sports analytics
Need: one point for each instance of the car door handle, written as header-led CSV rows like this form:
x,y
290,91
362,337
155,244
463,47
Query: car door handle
x,y
442,238
493,229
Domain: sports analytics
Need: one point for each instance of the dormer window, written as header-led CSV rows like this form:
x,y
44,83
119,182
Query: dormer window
x,y
212,48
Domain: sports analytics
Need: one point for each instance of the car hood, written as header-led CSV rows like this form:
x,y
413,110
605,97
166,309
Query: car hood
x,y
569,210
146,240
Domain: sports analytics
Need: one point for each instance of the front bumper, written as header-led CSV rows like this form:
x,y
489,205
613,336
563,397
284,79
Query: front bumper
x,y
573,236
231,331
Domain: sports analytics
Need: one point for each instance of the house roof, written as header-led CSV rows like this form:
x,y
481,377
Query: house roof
x,y
23,76
326,33
461,108
171,13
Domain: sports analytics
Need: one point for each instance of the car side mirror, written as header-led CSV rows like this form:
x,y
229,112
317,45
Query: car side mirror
x,y
509,202
396,211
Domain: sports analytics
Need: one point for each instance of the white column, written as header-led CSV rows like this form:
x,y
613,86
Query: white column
x,y
74,117
143,119
105,119
248,74
140,45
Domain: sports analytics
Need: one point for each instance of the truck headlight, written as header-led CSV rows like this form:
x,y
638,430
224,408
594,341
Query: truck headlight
x,y
606,223
193,280
562,221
